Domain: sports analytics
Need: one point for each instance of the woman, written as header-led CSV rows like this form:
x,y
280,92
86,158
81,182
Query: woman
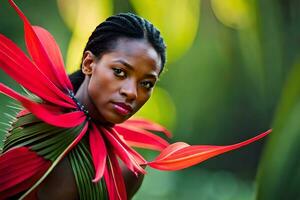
x,y
71,140
120,66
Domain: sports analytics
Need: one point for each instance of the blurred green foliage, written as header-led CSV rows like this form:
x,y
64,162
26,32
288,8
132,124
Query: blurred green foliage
x,y
239,77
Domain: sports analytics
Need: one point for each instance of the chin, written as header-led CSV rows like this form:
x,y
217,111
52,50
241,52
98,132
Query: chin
x,y
116,119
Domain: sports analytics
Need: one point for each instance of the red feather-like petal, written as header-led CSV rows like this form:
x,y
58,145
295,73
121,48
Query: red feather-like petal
x,y
180,155
141,138
130,157
98,150
66,120
53,52
140,159
110,186
16,64
146,124
171,149
114,179
40,55
16,176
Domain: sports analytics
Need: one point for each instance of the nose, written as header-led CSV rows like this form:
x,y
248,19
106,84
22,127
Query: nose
x,y
129,90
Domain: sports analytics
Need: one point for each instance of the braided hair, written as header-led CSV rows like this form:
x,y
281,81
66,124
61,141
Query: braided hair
x,y
129,25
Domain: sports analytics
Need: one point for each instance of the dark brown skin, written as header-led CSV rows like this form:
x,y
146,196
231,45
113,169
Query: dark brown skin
x,y
60,184
125,75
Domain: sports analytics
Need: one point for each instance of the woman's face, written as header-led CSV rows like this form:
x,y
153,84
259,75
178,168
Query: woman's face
x,y
122,80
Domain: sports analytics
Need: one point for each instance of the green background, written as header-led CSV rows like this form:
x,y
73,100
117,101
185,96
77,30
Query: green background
x,y
232,83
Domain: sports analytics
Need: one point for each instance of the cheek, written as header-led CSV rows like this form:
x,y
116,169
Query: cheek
x,y
102,86
96,88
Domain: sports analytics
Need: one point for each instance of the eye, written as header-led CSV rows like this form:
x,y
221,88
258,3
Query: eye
x,y
147,84
119,72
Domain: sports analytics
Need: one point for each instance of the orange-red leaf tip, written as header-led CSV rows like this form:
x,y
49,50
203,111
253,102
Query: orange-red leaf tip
x,y
181,155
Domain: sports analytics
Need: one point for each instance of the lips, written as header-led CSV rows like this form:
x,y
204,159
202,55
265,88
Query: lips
x,y
122,108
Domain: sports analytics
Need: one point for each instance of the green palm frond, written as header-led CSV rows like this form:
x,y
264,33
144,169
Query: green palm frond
x,y
15,106
81,162
48,141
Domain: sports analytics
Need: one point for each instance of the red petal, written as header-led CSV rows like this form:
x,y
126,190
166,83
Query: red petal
x,y
16,176
146,124
141,138
110,185
130,157
140,160
16,64
39,54
171,149
98,150
114,179
180,155
67,120
53,52
24,185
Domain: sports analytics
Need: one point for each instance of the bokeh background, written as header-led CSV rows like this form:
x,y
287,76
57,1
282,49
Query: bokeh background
x,y
233,71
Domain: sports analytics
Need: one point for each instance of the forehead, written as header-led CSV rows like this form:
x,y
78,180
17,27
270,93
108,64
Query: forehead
x,y
137,52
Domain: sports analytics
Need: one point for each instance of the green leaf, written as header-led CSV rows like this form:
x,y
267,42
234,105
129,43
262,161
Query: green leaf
x,y
82,165
47,140
279,171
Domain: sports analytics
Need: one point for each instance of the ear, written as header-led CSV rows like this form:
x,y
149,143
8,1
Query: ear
x,y
88,62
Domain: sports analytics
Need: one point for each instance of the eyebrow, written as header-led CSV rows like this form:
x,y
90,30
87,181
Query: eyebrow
x,y
131,68
124,63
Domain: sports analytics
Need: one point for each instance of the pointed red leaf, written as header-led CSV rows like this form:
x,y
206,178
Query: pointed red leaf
x,y
24,185
130,157
16,64
132,152
66,120
16,176
146,124
98,150
39,54
141,138
118,177
109,182
180,155
53,52
17,159
171,149
114,179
